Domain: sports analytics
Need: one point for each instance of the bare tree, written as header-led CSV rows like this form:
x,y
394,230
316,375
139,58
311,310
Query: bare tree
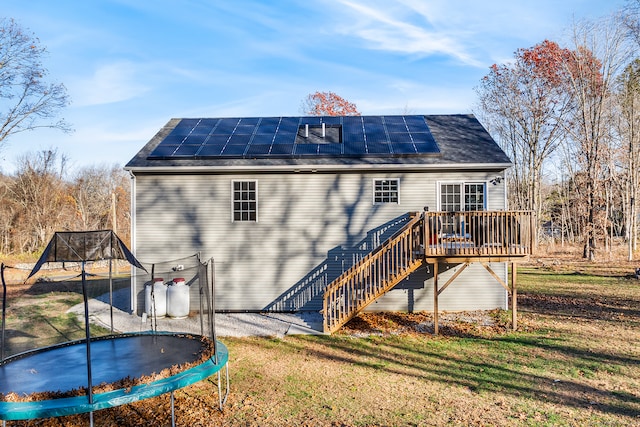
x,y
93,191
628,91
600,51
7,214
328,104
28,100
42,203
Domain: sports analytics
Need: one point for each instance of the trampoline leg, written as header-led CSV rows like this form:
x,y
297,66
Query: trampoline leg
x,y
173,414
91,418
223,400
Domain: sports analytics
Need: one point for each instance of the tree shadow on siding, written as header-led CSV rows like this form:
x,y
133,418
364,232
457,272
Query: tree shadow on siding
x,y
306,294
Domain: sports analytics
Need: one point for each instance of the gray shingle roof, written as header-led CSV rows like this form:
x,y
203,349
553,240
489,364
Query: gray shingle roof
x,y
441,140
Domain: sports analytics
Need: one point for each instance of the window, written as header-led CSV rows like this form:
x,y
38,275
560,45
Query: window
x,y
386,191
458,197
245,200
474,197
452,196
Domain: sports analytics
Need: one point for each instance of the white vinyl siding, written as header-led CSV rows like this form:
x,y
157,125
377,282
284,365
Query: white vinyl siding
x,y
311,226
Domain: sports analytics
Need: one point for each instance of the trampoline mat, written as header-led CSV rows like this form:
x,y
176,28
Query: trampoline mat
x,y
64,367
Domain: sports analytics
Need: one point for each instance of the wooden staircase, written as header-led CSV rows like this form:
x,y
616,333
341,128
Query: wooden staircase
x,y
374,275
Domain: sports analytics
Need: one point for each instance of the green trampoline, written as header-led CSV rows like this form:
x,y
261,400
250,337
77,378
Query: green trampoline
x,y
125,367
61,368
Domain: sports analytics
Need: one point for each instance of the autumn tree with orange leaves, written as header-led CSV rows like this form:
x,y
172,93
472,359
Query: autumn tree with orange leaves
x,y
328,104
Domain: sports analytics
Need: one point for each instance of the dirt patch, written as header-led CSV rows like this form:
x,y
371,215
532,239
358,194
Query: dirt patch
x,y
459,324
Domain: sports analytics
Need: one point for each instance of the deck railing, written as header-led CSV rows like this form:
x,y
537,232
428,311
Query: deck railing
x,y
373,275
478,233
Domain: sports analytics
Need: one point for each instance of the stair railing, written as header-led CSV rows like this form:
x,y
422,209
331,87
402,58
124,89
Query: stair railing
x,y
374,275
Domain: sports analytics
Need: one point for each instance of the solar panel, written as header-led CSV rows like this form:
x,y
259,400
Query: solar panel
x,y
209,150
354,149
220,140
426,148
186,150
241,139
195,139
403,148
425,143
288,125
371,119
374,128
306,149
188,123
249,121
231,150
172,139
377,148
350,136
312,120
244,129
226,125
282,149
258,149
202,129
263,138
284,138
162,151
335,149
376,137
396,127
267,128
332,120
396,137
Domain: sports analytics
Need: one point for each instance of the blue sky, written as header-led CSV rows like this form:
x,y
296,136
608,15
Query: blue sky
x,y
131,65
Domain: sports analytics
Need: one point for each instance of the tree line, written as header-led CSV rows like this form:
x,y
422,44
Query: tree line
x,y
41,197
569,118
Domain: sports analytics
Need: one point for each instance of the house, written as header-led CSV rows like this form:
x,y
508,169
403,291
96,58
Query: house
x,y
286,205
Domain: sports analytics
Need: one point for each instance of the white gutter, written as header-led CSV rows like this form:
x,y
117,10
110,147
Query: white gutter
x,y
134,271
315,168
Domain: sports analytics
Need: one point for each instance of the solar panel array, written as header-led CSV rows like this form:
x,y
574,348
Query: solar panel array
x,y
283,137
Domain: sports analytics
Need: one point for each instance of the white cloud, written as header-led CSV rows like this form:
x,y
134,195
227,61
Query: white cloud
x,y
110,83
391,28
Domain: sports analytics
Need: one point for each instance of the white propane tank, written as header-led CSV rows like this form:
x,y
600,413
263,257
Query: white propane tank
x,y
157,301
178,299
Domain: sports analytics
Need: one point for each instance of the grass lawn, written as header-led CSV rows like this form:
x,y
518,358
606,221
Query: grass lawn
x,y
575,361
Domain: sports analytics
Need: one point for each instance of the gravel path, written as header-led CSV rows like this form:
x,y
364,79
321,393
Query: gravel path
x,y
227,324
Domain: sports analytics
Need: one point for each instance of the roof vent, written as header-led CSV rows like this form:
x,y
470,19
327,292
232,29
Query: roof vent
x,y
319,134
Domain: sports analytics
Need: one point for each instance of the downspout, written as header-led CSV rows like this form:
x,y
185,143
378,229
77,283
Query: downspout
x,y
134,273
506,208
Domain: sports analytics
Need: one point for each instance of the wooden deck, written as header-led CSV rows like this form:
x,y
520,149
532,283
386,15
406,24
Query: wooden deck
x,y
430,237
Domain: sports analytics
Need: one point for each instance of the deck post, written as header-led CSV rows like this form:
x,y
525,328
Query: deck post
x,y
514,297
435,298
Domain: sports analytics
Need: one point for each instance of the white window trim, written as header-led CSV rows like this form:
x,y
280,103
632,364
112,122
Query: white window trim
x,y
439,185
233,181
373,192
